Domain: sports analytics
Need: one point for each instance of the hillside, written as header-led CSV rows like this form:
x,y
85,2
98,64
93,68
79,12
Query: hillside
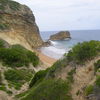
x,y
17,25
17,66
69,78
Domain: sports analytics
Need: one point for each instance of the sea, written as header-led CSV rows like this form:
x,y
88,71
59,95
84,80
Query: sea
x,y
59,48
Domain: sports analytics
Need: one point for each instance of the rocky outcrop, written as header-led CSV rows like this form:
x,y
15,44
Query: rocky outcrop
x,y
60,35
17,25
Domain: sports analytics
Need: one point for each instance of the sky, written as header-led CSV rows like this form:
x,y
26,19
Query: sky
x,y
55,15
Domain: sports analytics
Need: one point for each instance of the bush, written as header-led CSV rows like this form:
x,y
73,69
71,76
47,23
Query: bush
x,y
3,26
70,75
97,65
89,90
38,77
84,51
17,78
33,58
18,56
3,88
13,75
0,78
1,43
13,57
56,67
19,47
98,81
50,90
18,75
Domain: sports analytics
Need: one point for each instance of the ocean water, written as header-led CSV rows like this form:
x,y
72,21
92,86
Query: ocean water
x,y
58,48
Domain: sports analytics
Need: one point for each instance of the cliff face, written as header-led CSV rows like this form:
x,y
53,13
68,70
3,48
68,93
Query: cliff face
x,y
17,24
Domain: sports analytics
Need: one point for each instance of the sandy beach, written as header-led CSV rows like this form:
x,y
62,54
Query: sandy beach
x,y
46,60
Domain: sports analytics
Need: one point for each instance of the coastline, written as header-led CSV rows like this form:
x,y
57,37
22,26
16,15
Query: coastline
x,y
48,61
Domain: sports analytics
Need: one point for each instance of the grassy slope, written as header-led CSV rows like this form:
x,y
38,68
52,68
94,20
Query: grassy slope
x,y
15,69
89,50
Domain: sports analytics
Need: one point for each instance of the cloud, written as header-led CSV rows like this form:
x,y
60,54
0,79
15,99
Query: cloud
x,y
65,14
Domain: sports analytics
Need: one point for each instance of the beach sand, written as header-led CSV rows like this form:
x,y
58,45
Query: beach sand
x,y
46,60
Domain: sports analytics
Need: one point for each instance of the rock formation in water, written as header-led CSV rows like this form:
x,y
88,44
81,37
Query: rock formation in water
x,y
60,35
17,25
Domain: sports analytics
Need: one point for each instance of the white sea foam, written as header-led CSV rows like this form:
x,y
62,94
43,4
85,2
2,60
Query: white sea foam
x,y
53,43
53,52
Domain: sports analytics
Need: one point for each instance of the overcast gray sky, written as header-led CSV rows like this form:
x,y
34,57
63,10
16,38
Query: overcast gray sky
x,y
65,14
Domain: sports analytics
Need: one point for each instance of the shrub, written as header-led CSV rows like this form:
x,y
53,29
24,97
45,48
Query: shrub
x,y
19,47
18,75
84,51
17,78
3,87
97,65
0,78
50,90
13,57
3,26
2,43
56,67
21,94
38,77
18,56
89,90
70,75
98,81
33,58
13,75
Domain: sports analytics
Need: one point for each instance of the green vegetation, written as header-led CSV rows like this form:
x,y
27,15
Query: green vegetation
x,y
97,82
17,78
12,4
78,92
1,17
3,88
0,78
83,52
38,77
13,57
33,58
21,94
17,56
89,90
18,46
70,75
97,65
44,85
56,67
1,43
48,73
3,26
50,90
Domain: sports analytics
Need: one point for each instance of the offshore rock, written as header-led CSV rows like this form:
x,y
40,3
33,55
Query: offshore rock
x,y
60,35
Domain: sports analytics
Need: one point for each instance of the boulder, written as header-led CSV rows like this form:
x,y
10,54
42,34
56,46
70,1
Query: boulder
x,y
60,35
